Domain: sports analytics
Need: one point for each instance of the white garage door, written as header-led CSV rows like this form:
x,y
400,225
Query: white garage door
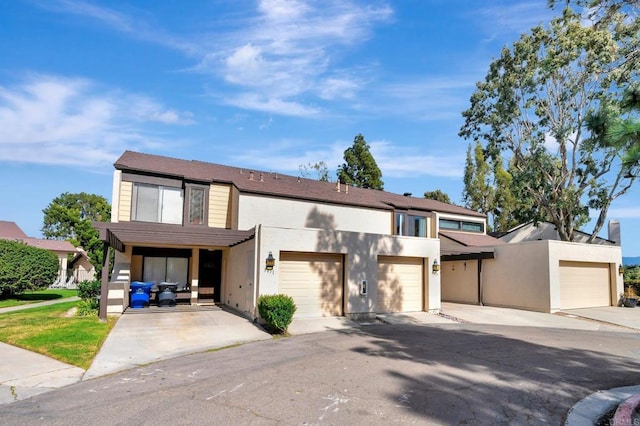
x,y
400,284
314,281
584,285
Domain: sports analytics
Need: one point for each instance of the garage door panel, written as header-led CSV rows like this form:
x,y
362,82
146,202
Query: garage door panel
x,y
584,285
314,281
400,284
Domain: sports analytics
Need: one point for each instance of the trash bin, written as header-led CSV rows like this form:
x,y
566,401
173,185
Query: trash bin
x,y
167,294
140,292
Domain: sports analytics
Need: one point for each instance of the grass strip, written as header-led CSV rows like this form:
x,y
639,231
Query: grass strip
x,y
52,331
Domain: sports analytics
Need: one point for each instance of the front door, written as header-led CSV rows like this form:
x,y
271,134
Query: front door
x,y
210,276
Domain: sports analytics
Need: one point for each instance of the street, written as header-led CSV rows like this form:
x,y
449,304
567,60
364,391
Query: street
x,y
379,374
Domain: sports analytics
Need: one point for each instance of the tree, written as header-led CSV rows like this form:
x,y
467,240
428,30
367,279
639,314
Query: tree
x,y
478,193
437,195
533,106
320,168
360,168
69,217
618,126
24,268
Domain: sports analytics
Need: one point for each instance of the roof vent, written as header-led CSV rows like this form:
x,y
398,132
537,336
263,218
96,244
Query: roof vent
x,y
298,178
251,175
346,188
261,177
407,194
338,186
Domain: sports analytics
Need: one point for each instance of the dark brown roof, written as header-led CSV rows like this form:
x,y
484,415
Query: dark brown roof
x,y
471,240
119,234
279,185
11,231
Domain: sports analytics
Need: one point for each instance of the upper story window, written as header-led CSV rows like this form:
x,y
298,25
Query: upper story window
x,y
410,225
461,225
196,205
156,203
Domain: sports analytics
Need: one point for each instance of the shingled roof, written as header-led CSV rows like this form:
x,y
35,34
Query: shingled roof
x,y
279,185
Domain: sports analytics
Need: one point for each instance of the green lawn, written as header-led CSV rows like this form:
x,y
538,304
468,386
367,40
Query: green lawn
x,y
51,331
37,296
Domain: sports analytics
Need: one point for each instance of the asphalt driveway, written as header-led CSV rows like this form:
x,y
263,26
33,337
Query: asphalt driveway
x,y
377,374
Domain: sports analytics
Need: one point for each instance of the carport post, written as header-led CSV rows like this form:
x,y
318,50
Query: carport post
x,y
104,286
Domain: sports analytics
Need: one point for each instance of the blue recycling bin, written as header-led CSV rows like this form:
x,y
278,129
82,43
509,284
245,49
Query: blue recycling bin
x,y
140,293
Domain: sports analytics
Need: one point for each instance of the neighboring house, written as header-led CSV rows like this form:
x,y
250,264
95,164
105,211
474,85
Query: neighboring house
x,y
529,268
62,249
547,231
81,267
337,250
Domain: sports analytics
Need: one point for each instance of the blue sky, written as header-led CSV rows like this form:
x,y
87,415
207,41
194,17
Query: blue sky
x,y
269,85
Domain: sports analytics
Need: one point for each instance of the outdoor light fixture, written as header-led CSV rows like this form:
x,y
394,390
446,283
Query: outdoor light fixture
x,y
270,262
621,269
436,267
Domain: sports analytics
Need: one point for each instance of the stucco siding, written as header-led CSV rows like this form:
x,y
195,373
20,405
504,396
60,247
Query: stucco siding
x,y
239,292
124,204
360,250
518,277
460,281
254,209
219,200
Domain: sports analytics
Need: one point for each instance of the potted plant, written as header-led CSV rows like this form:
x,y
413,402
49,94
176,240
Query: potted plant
x,y
629,297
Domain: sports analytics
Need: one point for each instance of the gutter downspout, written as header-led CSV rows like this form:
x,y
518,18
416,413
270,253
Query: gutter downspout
x,y
480,302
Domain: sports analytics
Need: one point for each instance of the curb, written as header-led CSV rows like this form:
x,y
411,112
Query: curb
x,y
591,408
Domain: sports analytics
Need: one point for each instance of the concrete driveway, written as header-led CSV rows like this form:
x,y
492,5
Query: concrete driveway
x,y
149,335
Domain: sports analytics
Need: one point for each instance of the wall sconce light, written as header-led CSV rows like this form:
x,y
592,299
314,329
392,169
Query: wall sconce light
x,y
621,269
270,262
436,267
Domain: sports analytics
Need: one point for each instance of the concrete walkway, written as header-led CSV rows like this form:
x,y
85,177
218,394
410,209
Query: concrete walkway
x,y
38,305
146,336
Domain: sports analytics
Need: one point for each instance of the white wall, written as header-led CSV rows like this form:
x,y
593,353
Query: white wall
x,y
256,209
361,252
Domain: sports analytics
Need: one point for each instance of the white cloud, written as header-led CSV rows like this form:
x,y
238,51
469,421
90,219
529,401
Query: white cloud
x,y
394,161
53,120
278,106
512,17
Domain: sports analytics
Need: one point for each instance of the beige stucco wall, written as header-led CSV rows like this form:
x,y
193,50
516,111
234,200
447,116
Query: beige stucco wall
x,y
361,252
239,290
254,210
518,277
527,276
459,281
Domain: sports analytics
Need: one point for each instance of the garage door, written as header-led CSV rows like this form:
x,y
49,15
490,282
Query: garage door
x,y
400,284
584,285
314,281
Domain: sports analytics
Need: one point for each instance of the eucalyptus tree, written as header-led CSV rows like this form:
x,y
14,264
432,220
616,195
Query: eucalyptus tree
x,y
533,108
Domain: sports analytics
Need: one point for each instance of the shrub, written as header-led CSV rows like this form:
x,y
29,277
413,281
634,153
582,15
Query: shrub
x,y
277,311
24,268
89,290
88,307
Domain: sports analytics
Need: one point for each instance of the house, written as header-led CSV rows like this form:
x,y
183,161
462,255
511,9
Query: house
x,y
337,250
228,235
62,249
